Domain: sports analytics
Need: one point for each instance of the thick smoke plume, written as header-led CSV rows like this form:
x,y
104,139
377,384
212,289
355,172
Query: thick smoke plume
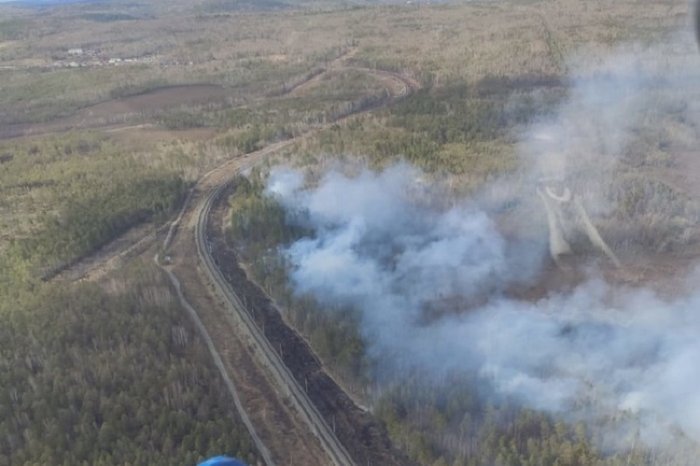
x,y
432,283
403,267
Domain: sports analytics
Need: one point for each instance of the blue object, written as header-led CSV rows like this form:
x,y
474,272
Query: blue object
x,y
222,461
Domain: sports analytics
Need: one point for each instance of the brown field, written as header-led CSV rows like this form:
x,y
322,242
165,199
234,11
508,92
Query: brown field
x,y
171,96
124,108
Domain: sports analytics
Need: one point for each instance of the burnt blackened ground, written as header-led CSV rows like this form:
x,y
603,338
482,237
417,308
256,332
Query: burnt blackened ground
x,y
365,438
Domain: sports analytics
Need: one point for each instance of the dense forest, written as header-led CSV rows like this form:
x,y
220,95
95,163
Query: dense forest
x,y
110,374
448,423
451,422
65,196
98,373
462,129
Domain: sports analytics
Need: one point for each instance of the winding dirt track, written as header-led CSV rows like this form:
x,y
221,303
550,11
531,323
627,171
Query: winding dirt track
x,y
284,421
285,424
242,412
274,423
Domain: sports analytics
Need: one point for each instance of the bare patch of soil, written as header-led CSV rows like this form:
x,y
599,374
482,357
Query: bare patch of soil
x,y
116,111
158,99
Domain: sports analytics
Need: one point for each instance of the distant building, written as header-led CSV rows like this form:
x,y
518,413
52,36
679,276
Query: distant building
x,y
76,52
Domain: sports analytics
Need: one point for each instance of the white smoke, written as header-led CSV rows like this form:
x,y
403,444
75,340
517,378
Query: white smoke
x,y
625,350
635,96
432,285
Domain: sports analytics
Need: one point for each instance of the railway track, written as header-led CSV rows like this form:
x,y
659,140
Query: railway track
x,y
197,208
266,355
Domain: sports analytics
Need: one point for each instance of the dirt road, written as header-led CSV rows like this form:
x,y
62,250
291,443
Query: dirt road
x,y
314,425
283,418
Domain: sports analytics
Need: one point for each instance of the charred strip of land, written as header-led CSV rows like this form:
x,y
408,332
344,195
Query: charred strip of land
x,y
363,436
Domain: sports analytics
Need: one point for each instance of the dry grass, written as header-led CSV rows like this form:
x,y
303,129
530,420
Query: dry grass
x,y
254,54
446,42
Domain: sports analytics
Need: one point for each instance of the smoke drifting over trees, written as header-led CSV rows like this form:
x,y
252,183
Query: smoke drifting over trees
x,y
431,281
399,264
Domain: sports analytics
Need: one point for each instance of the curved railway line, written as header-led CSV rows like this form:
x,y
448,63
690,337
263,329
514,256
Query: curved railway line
x,y
192,220
266,354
